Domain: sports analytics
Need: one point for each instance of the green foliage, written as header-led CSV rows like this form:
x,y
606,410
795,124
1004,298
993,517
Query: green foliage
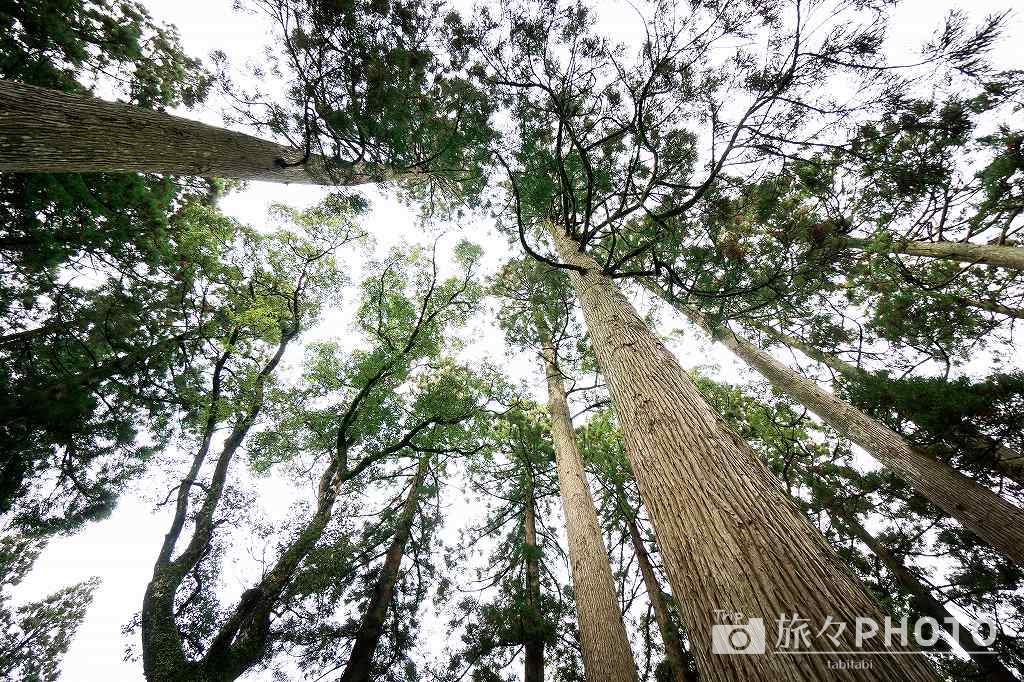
x,y
515,478
46,219
34,636
91,262
379,87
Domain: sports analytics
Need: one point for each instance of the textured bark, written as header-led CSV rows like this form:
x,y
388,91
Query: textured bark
x,y
731,538
607,656
986,254
360,661
534,664
983,512
984,449
49,131
986,658
674,651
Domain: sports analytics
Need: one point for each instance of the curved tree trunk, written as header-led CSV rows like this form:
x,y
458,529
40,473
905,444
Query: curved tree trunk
x,y
983,512
965,252
732,539
534,645
674,651
987,451
986,658
49,131
360,661
606,652
163,653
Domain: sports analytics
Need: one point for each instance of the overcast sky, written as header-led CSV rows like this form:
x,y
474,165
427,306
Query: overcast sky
x,y
121,549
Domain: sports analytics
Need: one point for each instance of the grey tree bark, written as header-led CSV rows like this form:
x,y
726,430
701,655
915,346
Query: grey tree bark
x,y
534,660
732,540
49,131
607,656
983,512
965,252
986,658
999,457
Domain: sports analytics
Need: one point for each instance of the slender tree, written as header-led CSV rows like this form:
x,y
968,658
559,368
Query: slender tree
x,y
351,434
601,443
606,652
535,312
360,660
920,411
530,614
979,509
36,635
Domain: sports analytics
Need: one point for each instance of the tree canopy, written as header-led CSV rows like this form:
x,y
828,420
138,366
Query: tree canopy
x,y
496,437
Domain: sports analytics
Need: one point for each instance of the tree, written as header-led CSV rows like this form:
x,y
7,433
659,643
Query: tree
x,y
377,96
535,314
379,409
530,613
581,184
91,264
979,509
940,409
816,466
75,390
36,635
603,450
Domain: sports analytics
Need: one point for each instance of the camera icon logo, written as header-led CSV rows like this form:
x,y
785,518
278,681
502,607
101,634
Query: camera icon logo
x,y
747,638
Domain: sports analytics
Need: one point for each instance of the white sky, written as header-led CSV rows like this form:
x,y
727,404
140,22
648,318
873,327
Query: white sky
x,y
121,549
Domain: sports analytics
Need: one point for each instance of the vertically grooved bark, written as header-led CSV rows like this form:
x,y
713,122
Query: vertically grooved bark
x,y
986,450
986,658
983,512
607,656
534,644
731,537
674,651
360,660
49,131
987,254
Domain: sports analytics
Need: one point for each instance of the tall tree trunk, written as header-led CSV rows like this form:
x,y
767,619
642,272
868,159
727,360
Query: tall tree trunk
x,y
986,254
360,661
606,652
49,131
983,512
674,651
986,658
984,449
732,539
534,644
